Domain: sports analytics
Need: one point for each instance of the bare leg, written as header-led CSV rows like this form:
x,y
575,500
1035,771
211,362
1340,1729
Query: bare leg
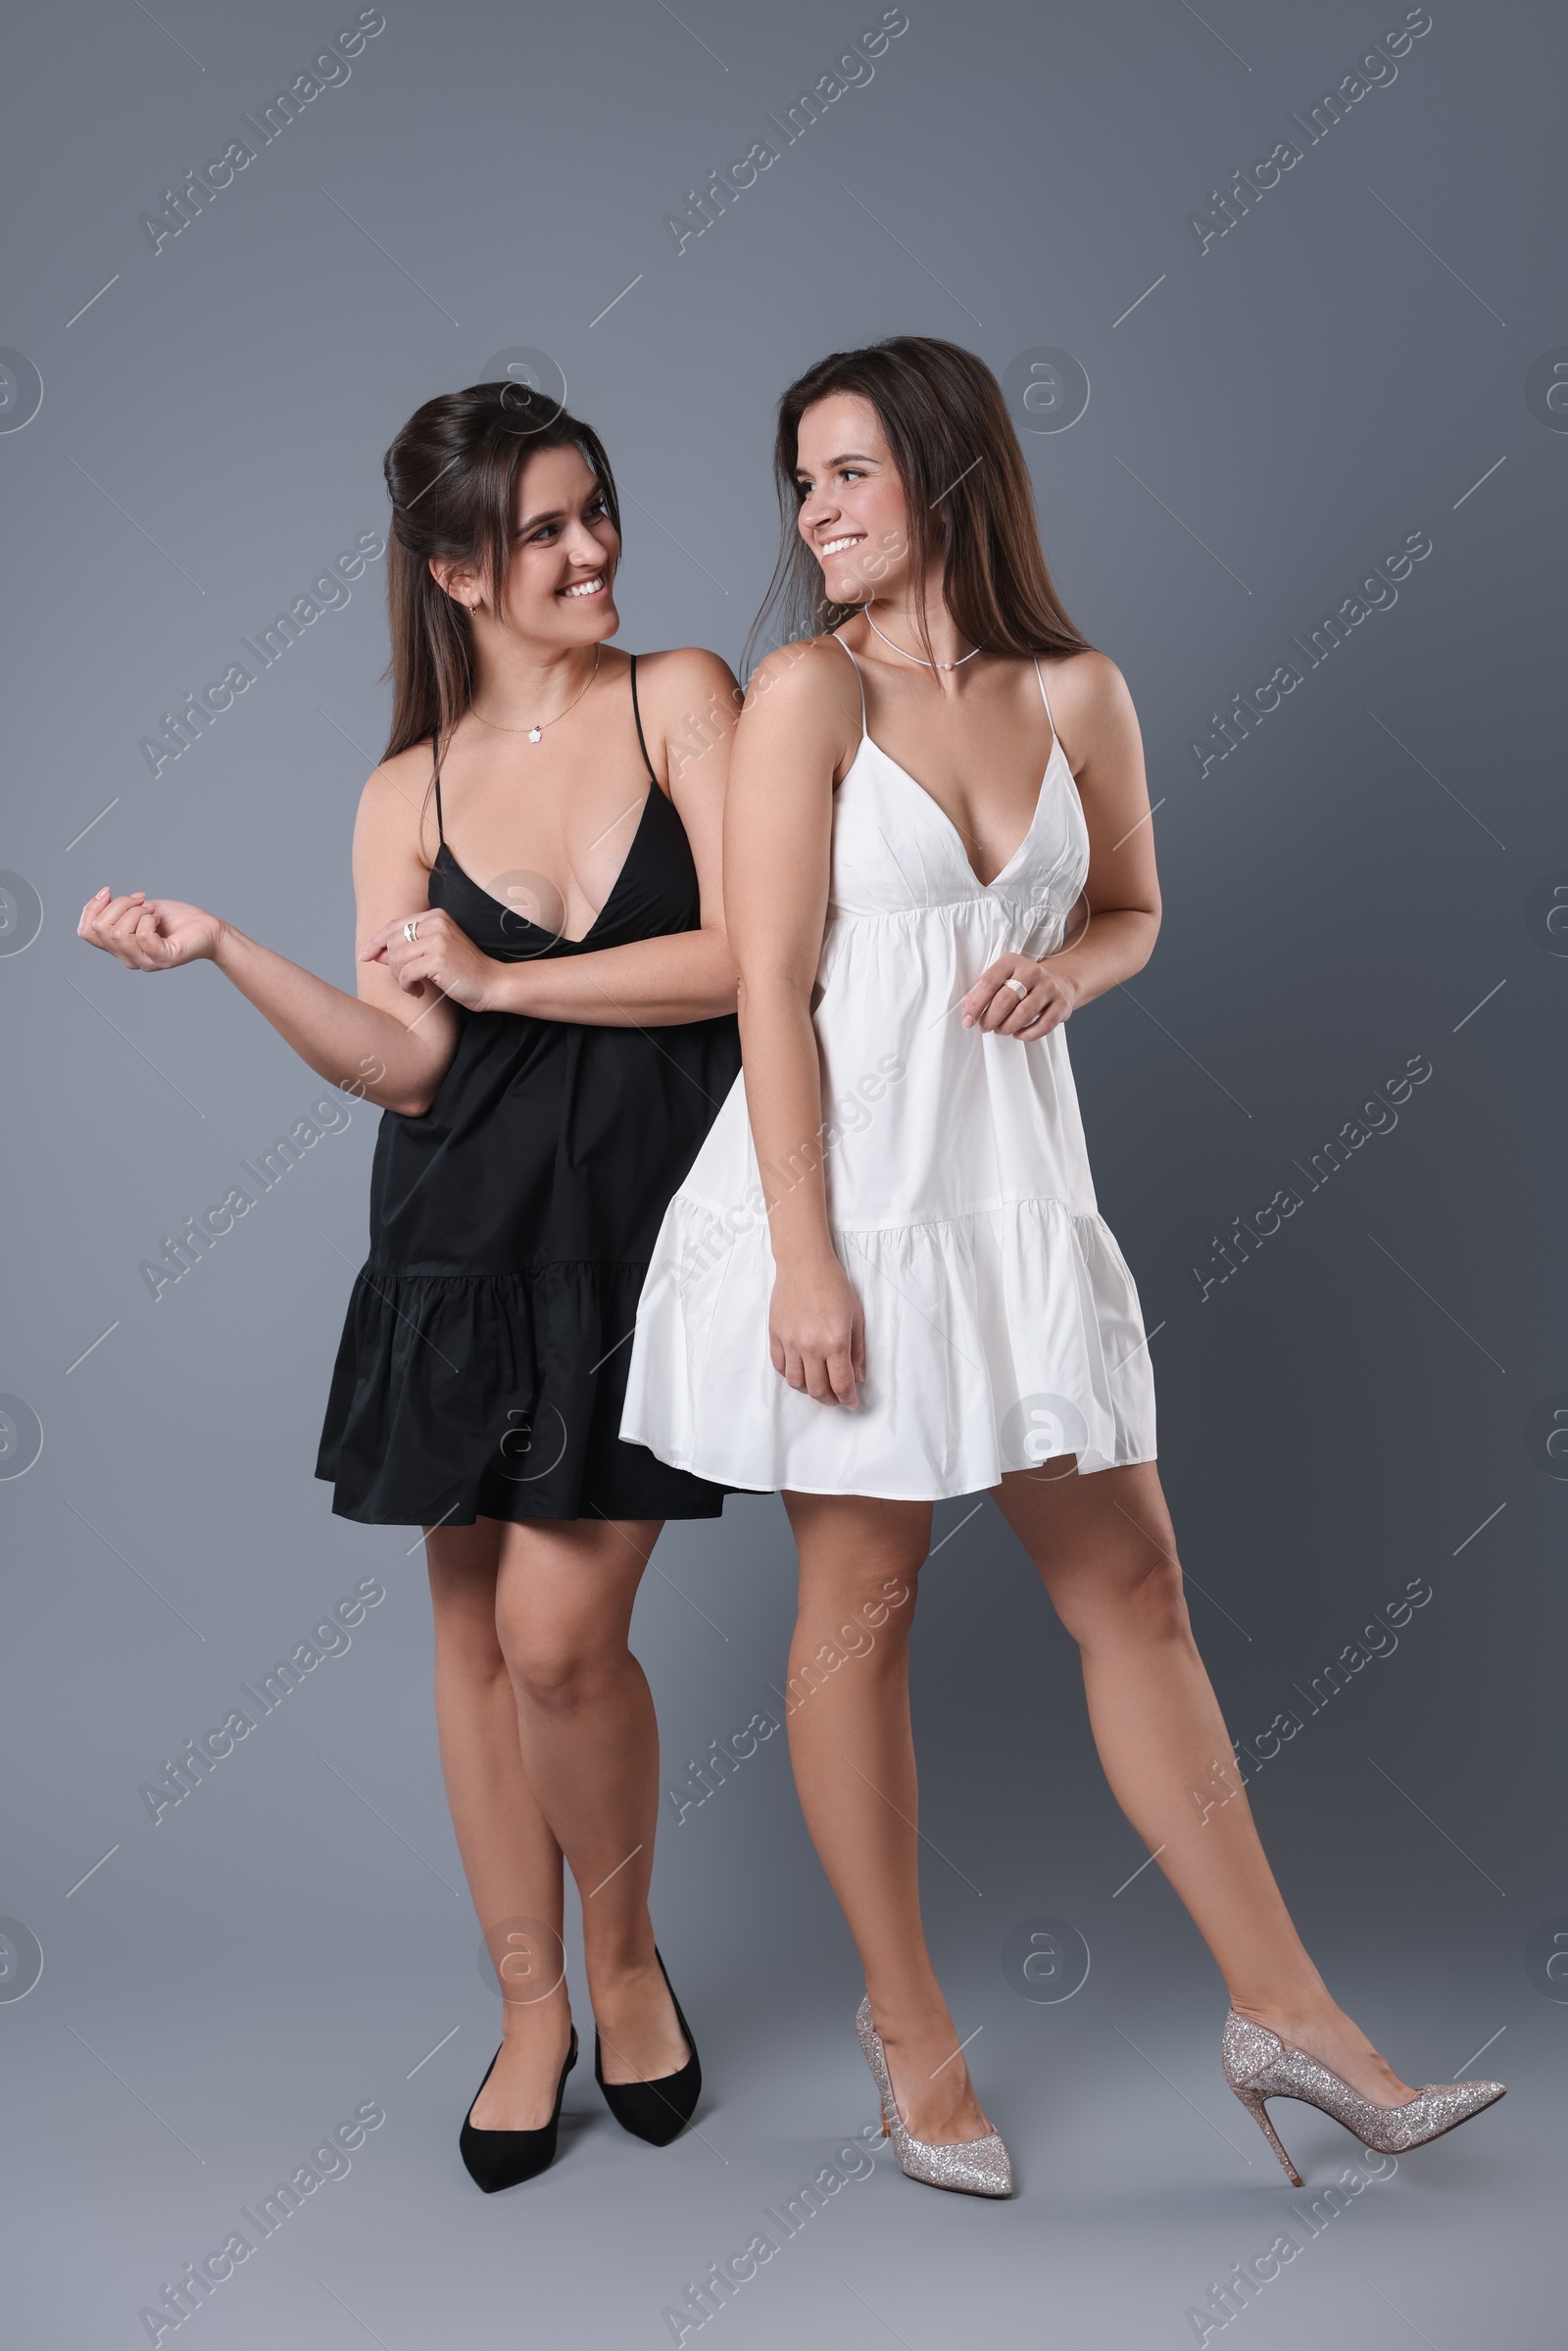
x,y
1106,1551
482,1590
589,1745
509,1856
854,1758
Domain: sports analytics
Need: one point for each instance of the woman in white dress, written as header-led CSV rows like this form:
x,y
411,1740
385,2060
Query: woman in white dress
x,y
885,1279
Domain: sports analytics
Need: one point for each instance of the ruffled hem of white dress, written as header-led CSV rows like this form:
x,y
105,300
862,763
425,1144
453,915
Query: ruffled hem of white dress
x,y
996,1340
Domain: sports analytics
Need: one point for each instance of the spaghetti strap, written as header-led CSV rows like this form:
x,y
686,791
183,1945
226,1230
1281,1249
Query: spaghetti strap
x,y
858,679
440,829
1044,696
631,660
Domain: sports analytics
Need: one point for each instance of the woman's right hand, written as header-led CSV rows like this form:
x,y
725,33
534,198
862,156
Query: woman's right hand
x,y
149,934
816,1332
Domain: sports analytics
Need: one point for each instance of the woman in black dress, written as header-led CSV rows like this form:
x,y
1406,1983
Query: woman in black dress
x,y
545,1011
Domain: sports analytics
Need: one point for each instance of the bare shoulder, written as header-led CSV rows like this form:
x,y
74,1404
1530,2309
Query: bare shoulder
x,y
394,806
807,683
685,683
688,701
1091,703
683,670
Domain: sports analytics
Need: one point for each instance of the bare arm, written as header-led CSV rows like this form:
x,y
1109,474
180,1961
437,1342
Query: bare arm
x,y
649,983
391,1047
1121,896
795,735
392,1043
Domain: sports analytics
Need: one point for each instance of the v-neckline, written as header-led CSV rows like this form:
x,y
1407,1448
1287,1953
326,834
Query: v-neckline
x,y
930,797
559,938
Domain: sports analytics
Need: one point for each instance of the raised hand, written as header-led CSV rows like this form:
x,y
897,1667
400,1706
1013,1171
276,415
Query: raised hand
x,y
149,934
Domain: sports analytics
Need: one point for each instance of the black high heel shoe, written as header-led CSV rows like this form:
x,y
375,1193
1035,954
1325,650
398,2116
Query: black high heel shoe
x,y
657,2111
498,2159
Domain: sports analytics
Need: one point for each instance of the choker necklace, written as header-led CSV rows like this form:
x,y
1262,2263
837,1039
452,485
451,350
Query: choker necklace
x,y
915,656
536,733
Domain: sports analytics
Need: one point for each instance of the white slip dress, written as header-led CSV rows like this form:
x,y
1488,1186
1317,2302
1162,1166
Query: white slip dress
x,y
1002,1326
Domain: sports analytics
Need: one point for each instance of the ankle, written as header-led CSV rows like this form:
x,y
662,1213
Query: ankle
x,y
1300,2022
626,1972
537,2019
1298,1998
911,2019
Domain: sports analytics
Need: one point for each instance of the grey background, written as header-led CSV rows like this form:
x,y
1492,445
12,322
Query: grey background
x,y
1343,1416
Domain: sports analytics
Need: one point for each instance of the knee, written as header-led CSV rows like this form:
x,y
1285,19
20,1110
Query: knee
x,y
555,1666
1138,1598
867,1620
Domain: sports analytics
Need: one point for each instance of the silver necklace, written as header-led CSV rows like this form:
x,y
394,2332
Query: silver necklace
x,y
536,733
920,658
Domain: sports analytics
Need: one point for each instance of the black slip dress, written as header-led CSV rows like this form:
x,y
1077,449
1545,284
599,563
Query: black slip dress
x,y
483,1362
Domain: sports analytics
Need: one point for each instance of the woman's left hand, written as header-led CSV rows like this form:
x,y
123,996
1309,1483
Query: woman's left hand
x,y
439,955
999,1011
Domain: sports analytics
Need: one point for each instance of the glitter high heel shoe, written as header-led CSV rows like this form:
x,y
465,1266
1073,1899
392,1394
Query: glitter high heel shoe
x,y
1258,2065
975,2167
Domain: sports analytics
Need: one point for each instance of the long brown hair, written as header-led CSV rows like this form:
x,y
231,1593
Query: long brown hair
x,y
966,487
452,474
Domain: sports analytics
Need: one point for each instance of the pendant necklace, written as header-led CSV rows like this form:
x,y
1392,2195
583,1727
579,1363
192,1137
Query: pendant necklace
x,y
916,656
536,734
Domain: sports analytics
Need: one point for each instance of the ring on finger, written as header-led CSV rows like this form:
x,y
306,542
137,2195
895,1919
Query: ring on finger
x,y
410,929
1018,988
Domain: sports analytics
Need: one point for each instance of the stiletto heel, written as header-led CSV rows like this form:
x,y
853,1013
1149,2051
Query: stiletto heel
x,y
655,2111
1258,2066
1253,2101
498,2159
975,2167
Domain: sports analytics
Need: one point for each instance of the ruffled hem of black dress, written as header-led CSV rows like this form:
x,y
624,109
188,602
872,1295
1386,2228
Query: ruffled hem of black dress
x,y
459,1397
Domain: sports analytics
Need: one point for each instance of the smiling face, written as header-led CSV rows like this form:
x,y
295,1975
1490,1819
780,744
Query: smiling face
x,y
560,573
852,513
564,549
